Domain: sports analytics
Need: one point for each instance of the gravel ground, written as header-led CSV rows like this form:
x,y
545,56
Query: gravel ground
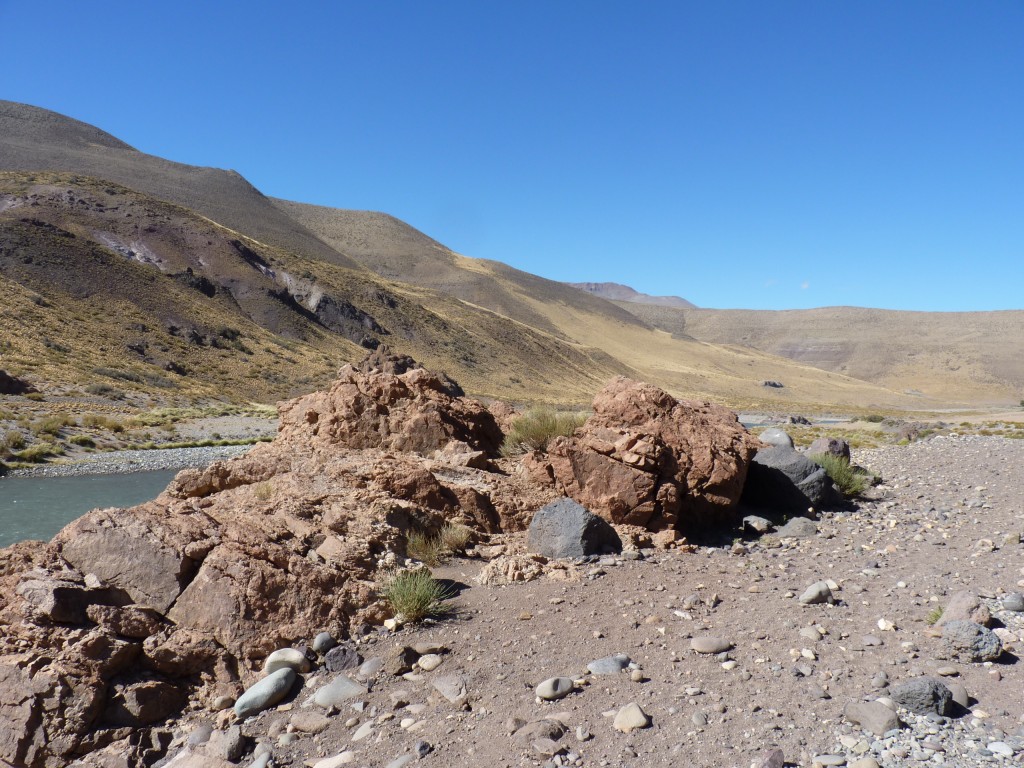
x,y
947,518
120,462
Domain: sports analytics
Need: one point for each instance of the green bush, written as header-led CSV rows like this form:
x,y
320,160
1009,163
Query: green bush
x,y
847,479
536,428
82,440
52,425
416,595
12,441
40,452
874,418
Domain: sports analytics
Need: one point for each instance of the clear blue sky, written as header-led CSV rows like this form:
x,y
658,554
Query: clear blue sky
x,y
740,154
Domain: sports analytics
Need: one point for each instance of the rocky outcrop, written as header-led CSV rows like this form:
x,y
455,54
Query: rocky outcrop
x,y
647,459
126,614
412,411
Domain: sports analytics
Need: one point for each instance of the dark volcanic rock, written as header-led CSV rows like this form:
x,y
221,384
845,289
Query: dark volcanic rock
x,y
784,480
564,529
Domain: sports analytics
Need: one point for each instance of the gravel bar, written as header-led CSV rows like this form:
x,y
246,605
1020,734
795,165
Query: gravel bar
x,y
122,462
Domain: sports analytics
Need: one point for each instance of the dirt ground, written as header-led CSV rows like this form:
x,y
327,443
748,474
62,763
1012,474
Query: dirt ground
x,y
948,517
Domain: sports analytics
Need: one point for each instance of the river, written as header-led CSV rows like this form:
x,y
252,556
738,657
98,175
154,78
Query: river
x,y
38,507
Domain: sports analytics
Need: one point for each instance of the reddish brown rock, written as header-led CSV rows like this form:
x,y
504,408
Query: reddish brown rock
x,y
186,595
645,458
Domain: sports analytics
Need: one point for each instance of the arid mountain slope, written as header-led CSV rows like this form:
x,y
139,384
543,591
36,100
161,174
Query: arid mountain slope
x,y
967,356
619,292
104,284
115,241
34,139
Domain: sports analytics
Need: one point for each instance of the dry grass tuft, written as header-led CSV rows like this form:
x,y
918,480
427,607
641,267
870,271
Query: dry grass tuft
x,y
535,429
416,595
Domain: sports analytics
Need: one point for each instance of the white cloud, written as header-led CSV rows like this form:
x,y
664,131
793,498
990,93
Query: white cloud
x,y
804,285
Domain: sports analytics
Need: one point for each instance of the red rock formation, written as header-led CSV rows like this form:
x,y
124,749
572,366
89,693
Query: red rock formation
x,y
645,458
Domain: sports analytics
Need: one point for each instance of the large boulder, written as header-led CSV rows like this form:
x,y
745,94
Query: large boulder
x,y
644,458
564,529
784,480
830,446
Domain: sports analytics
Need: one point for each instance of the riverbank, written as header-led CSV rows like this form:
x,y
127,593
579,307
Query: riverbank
x,y
123,462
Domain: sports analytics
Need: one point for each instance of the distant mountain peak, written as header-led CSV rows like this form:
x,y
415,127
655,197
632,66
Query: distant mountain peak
x,y
619,292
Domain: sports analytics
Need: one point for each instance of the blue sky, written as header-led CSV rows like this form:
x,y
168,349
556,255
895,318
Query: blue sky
x,y
740,154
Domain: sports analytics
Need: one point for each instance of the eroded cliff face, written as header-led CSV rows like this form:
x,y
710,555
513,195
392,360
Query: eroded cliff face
x,y
130,614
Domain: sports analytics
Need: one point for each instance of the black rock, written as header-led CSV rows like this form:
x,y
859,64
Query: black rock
x,y
923,695
565,529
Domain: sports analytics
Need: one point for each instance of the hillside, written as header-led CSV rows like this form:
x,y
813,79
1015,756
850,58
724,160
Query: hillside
x,y
967,356
34,139
619,292
147,264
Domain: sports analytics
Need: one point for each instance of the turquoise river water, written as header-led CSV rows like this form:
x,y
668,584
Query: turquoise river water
x,y
38,507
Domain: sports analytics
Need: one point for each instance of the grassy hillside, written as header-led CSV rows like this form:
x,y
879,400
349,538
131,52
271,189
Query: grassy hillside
x,y
950,356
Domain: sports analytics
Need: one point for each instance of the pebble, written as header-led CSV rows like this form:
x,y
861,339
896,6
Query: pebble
x,y
710,644
1014,602
555,688
609,665
290,658
429,662
342,758
323,642
266,693
630,718
818,592
337,692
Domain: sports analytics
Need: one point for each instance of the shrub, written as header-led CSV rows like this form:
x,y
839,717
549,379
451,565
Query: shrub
x,y
425,548
849,480
105,390
12,441
39,452
263,491
874,418
934,615
536,428
35,397
416,595
455,537
97,421
82,440
52,425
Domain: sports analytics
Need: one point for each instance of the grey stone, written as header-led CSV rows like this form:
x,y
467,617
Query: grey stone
x,y
923,695
554,688
266,693
401,761
967,641
609,665
565,529
1014,602
323,642
337,692
828,760
783,480
829,446
709,644
340,658
261,761
818,592
773,758
873,716
422,748
537,730
776,436
452,688
757,524
200,735
144,703
226,745
798,528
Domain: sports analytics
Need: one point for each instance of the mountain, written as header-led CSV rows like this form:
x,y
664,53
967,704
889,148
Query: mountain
x,y
619,292
173,281
965,356
34,139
